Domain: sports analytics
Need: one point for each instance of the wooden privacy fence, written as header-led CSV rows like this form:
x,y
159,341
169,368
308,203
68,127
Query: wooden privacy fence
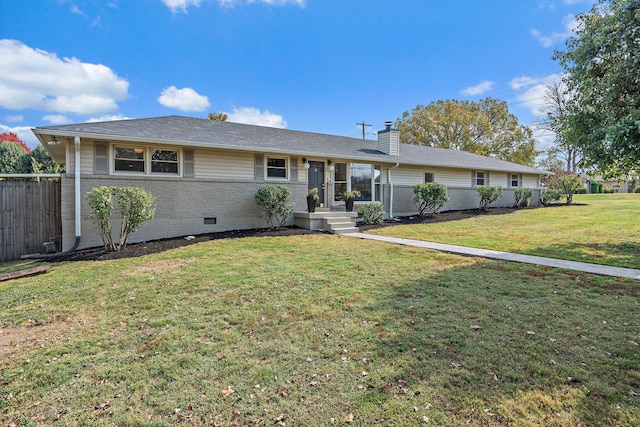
x,y
30,214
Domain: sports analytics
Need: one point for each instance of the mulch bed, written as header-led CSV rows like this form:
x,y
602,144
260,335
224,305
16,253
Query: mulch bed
x,y
156,246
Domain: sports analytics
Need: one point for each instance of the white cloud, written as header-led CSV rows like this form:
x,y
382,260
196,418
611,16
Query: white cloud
x,y
39,80
110,118
531,92
185,99
549,40
180,5
24,133
56,119
482,87
15,119
253,116
183,5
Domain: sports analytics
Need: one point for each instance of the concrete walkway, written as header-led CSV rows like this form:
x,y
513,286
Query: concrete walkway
x,y
603,270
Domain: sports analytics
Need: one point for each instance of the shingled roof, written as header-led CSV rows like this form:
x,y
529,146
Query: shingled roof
x,y
196,132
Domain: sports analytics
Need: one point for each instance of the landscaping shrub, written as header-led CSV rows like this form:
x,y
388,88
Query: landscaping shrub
x,y
637,190
430,197
488,194
581,190
371,213
569,184
276,203
548,196
608,191
134,206
596,187
522,197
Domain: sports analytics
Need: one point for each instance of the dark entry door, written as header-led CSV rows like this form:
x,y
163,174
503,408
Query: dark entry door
x,y
316,178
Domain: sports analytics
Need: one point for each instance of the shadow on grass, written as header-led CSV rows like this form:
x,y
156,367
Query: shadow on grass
x,y
625,254
507,350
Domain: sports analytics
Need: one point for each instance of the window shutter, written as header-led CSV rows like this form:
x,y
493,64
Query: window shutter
x,y
188,170
258,170
101,159
487,178
293,167
473,178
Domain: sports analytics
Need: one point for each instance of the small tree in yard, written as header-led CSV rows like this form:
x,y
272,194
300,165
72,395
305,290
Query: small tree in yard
x,y
430,197
488,194
276,203
568,185
522,197
134,204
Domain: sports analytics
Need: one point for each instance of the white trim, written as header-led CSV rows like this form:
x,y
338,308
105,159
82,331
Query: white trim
x,y
146,160
287,168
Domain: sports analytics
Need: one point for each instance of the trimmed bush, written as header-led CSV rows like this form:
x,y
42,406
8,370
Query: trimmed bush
x,y
488,194
581,191
608,191
522,197
637,190
276,203
548,196
371,213
430,197
133,204
569,184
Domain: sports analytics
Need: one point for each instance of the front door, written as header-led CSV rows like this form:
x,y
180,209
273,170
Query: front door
x,y
316,179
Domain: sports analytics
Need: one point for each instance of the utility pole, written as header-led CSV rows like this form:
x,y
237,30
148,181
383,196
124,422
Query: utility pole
x,y
363,124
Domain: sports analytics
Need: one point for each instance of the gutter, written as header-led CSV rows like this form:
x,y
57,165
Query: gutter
x,y
391,189
78,210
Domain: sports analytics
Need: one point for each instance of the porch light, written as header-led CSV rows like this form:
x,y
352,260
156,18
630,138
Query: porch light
x,y
138,150
306,163
53,141
331,166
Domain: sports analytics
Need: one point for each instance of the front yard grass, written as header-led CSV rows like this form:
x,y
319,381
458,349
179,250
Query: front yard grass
x,y
317,330
598,228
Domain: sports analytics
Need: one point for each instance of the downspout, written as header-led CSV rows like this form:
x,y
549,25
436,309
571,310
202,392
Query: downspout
x,y
77,213
391,189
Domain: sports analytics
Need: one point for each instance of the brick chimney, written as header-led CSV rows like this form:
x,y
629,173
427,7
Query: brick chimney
x,y
389,140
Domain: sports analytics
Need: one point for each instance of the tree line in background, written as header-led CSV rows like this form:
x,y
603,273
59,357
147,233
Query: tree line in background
x,y
16,157
485,127
594,111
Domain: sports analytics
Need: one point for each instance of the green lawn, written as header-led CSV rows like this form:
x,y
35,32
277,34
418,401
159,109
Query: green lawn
x,y
317,330
600,228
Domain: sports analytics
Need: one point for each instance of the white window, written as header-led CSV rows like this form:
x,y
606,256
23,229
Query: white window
x,y
515,180
277,168
129,159
143,160
480,178
164,161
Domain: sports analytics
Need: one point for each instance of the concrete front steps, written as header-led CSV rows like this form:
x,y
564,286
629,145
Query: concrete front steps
x,y
326,220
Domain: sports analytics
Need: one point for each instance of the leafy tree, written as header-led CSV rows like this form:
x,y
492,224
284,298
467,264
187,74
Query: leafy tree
x,y
484,127
550,195
222,117
39,161
569,184
430,197
276,203
602,62
10,154
133,204
488,194
13,137
557,98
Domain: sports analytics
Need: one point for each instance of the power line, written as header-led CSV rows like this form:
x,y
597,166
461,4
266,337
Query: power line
x,y
363,124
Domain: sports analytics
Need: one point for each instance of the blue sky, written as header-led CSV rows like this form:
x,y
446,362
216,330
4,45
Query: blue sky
x,y
313,65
